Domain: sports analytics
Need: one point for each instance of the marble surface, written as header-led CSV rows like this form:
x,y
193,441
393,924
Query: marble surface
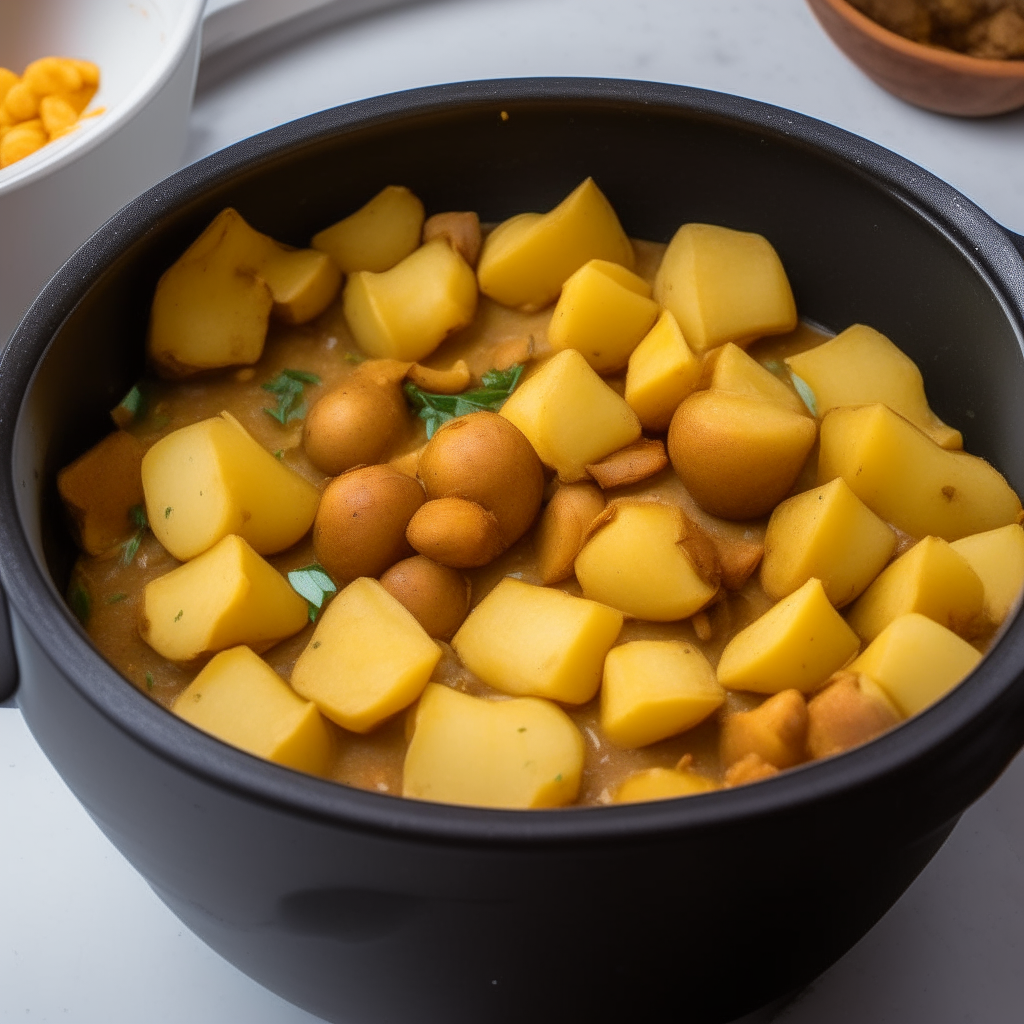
x,y
83,939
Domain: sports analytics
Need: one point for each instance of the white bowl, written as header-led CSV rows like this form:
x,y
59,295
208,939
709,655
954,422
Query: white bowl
x,y
53,200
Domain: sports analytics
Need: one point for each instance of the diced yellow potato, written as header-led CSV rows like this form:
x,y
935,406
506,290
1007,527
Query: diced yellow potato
x,y
241,700
828,533
916,661
738,456
211,307
571,417
99,490
903,476
661,784
724,285
862,367
302,283
798,643
930,578
367,660
662,372
729,368
210,479
407,311
526,260
653,689
649,561
997,556
776,732
851,710
533,641
225,596
604,312
562,528
492,753
376,236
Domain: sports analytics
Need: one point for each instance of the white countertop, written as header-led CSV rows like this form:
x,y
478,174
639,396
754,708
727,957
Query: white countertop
x,y
82,938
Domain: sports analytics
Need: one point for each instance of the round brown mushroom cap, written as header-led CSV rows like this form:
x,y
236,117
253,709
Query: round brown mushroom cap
x,y
484,458
437,595
360,524
455,532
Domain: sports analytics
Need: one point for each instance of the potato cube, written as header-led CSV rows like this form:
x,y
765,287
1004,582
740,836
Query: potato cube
x,y
368,659
604,312
997,557
649,561
532,641
492,753
302,282
798,643
210,479
407,311
776,732
862,367
729,368
661,784
571,417
653,689
563,525
828,533
903,476
724,285
930,578
662,372
99,490
241,700
211,307
851,710
226,596
916,661
378,235
526,260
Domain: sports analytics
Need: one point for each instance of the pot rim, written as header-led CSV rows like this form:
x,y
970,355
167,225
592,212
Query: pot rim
x,y
42,611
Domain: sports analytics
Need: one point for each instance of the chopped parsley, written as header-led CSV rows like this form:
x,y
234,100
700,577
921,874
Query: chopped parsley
x,y
130,548
803,389
167,512
437,409
279,454
312,583
117,598
289,386
130,409
149,680
80,601
179,615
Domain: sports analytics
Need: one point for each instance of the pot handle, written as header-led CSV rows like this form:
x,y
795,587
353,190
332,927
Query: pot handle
x,y
8,661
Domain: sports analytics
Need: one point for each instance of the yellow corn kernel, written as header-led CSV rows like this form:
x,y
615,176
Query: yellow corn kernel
x,y
21,141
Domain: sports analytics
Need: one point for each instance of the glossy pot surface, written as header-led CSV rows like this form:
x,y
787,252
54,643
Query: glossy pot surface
x,y
365,908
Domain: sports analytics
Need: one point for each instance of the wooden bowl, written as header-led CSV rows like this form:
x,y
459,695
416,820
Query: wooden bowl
x,y
941,80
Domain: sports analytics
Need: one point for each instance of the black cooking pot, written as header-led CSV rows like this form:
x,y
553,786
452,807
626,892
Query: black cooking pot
x,y
366,908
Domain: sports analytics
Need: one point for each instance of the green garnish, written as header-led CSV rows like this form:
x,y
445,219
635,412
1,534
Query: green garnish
x,y
149,680
279,454
803,389
437,409
312,583
81,603
131,408
558,777
288,386
354,357
116,598
179,615
167,512
130,548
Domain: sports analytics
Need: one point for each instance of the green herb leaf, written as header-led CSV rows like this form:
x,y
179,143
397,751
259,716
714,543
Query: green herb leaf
x,y
288,385
279,454
179,615
167,512
149,680
130,548
437,409
131,408
312,583
137,514
117,598
803,389
80,601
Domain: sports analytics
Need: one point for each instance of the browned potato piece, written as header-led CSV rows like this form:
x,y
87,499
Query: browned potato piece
x,y
738,456
751,768
776,731
437,596
455,532
99,489
631,464
460,230
850,711
354,424
485,458
563,525
359,528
